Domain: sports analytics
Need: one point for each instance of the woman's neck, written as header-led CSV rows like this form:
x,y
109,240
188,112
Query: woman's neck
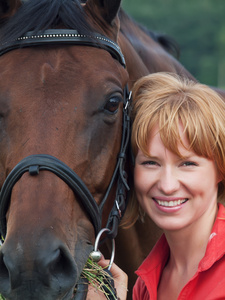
x,y
188,245
187,248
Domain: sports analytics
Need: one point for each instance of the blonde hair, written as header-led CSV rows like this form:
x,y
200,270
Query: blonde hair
x,y
166,100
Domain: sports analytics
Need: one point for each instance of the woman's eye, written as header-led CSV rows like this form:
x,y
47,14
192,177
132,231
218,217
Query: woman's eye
x,y
112,105
189,163
149,163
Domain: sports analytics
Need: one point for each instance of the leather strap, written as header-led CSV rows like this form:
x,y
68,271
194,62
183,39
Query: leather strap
x,y
64,36
36,163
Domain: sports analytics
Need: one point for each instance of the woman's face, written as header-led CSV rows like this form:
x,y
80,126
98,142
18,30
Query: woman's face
x,y
176,192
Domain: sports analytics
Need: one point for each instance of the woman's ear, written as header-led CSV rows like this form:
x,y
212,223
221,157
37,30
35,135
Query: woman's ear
x,y
219,173
219,178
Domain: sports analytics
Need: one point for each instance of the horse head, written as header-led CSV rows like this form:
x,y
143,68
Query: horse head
x,y
62,81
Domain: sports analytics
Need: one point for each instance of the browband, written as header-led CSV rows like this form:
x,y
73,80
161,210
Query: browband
x,y
64,36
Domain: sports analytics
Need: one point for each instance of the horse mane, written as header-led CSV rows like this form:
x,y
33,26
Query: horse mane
x,y
38,15
168,43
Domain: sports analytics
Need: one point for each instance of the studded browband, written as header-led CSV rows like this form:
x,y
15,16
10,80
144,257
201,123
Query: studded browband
x,y
63,36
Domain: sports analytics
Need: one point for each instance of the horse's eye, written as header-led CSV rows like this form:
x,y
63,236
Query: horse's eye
x,y
112,105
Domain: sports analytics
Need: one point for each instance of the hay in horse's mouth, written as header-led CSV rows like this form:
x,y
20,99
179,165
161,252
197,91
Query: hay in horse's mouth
x,y
99,278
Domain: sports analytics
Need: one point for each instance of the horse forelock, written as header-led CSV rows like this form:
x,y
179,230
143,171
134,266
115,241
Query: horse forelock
x,y
38,15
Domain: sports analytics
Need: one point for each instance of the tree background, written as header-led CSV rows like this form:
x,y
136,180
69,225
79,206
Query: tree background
x,y
198,26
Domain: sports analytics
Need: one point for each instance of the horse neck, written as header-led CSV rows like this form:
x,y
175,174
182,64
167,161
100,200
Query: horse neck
x,y
129,45
143,54
134,63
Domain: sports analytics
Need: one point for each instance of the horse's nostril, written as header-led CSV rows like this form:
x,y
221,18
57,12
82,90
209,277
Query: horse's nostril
x,y
7,268
4,274
62,265
4,271
55,267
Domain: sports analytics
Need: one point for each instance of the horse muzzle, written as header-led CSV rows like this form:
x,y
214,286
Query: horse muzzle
x,y
51,274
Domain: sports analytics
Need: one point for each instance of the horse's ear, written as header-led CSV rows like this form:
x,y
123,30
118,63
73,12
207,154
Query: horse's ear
x,y
107,8
9,7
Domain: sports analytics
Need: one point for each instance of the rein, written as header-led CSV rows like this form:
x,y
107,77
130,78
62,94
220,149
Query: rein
x,y
36,163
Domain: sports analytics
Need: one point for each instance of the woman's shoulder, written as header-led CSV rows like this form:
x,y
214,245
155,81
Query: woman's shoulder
x,y
140,291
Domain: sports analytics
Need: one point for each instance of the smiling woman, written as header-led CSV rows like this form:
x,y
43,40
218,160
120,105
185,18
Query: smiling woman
x,y
178,141
170,187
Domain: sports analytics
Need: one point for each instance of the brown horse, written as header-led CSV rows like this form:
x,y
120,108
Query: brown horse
x,y
61,104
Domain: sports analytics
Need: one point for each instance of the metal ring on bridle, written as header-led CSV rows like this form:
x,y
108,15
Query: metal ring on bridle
x,y
96,255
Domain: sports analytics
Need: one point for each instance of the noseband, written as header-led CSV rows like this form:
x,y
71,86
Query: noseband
x,y
36,163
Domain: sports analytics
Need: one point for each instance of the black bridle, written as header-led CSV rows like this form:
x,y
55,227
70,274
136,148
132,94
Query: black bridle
x,y
36,163
64,36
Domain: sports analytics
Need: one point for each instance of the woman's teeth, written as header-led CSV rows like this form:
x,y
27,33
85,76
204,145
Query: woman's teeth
x,y
170,203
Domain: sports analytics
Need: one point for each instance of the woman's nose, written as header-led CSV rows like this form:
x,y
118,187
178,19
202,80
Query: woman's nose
x,y
168,182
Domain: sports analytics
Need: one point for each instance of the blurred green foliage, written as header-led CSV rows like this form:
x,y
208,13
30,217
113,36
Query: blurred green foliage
x,y
198,26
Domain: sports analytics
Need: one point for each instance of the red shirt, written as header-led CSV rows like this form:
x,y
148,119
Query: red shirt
x,y
209,281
